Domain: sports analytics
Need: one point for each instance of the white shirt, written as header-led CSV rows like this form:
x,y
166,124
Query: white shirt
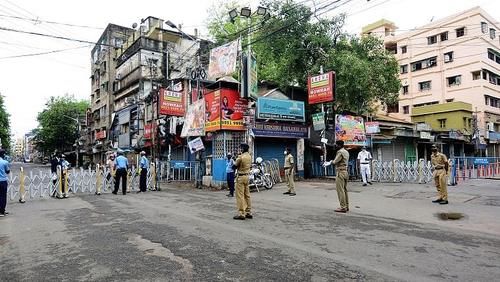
x,y
364,157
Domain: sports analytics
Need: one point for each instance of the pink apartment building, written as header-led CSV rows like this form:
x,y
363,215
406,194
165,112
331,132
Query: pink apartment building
x,y
455,59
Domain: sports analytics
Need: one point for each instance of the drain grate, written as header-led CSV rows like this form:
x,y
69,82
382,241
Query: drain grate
x,y
449,215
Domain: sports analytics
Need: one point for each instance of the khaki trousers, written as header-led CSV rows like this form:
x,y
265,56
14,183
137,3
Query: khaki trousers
x,y
290,182
441,181
341,185
243,201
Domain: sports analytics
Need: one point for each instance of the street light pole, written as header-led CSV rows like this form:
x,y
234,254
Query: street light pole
x,y
77,143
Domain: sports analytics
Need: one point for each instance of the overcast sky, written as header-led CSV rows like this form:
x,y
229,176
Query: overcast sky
x,y
27,82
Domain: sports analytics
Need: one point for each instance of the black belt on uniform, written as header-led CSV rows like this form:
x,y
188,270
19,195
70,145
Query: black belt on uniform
x,y
439,168
365,163
242,174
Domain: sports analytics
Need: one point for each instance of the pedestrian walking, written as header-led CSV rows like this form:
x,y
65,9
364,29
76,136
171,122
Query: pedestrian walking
x,y
4,171
342,176
54,164
64,164
110,169
143,165
243,165
289,172
364,161
121,167
440,175
230,174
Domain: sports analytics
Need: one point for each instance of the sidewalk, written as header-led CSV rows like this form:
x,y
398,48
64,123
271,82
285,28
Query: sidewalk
x,y
477,200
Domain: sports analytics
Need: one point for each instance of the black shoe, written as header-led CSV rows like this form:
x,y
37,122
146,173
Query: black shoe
x,y
370,183
249,216
364,184
114,193
292,194
443,202
287,193
437,201
230,195
138,192
239,217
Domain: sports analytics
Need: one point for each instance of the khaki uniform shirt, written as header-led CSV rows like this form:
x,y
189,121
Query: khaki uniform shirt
x,y
341,159
244,163
289,163
438,160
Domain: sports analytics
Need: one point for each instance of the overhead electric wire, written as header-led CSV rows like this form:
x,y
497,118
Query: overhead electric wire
x,y
36,20
43,53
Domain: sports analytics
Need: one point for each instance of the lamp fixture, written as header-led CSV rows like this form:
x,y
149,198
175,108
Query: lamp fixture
x,y
261,11
233,14
246,12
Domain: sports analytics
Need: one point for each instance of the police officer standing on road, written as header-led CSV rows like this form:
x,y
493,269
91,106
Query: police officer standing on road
x,y
143,164
364,159
4,170
121,166
289,172
341,160
243,165
440,165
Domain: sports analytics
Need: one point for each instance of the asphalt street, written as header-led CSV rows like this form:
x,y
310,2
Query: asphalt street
x,y
183,234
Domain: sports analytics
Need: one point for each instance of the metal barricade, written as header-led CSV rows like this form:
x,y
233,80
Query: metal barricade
x,y
179,171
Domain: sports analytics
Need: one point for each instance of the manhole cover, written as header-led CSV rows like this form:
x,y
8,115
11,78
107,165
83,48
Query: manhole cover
x,y
449,215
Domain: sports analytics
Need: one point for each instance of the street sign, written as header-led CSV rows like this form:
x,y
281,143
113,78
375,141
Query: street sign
x,y
321,88
318,121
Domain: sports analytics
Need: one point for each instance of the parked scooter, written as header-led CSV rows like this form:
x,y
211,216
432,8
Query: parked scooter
x,y
258,177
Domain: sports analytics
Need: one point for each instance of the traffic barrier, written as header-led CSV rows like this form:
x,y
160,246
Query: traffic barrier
x,y
22,189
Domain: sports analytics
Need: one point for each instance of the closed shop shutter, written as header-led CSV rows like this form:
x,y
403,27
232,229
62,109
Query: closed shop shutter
x,y
272,148
385,152
399,150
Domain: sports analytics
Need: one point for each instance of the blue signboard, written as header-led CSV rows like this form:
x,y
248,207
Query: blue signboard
x,y
481,161
276,109
263,129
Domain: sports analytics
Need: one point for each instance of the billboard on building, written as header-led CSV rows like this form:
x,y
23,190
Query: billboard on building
x,y
350,129
372,127
194,123
277,109
223,60
224,110
172,103
321,88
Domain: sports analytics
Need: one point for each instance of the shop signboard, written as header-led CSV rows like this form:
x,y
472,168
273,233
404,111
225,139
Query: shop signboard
x,y
171,103
277,109
225,110
350,129
196,145
425,135
321,88
194,123
372,127
318,120
265,129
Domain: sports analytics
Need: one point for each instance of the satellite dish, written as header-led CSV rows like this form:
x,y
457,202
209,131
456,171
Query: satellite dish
x,y
134,25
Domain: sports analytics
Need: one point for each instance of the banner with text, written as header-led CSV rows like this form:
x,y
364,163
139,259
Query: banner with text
x,y
212,111
233,109
194,123
277,109
172,103
223,60
264,129
350,129
372,127
321,88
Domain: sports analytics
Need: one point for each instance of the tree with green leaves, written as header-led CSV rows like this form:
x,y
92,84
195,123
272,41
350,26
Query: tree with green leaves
x,y
57,129
4,126
296,42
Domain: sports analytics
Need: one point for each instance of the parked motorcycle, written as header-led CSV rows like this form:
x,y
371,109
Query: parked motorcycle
x,y
258,177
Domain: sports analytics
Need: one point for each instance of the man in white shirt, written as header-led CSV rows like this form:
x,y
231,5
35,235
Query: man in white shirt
x,y
364,159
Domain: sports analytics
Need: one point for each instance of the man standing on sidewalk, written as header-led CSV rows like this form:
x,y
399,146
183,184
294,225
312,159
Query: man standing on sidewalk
x,y
4,170
440,165
243,165
121,164
341,160
230,174
364,159
143,164
289,172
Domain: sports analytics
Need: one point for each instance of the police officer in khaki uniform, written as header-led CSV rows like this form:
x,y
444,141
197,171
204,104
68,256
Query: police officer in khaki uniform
x,y
289,172
440,165
341,160
243,165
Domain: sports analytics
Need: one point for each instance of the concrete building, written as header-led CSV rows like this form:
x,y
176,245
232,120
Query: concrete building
x,y
103,81
455,59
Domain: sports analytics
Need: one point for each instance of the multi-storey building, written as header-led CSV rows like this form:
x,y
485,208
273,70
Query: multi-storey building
x,y
103,78
455,59
151,57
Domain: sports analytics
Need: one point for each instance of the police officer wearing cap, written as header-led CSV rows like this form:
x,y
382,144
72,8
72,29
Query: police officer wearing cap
x,y
440,164
121,165
143,165
289,172
243,165
4,170
341,164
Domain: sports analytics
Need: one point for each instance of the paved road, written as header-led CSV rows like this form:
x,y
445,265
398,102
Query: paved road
x,y
189,235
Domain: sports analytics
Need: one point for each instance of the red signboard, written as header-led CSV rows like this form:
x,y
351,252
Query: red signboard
x,y
321,88
224,110
148,128
100,135
172,103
